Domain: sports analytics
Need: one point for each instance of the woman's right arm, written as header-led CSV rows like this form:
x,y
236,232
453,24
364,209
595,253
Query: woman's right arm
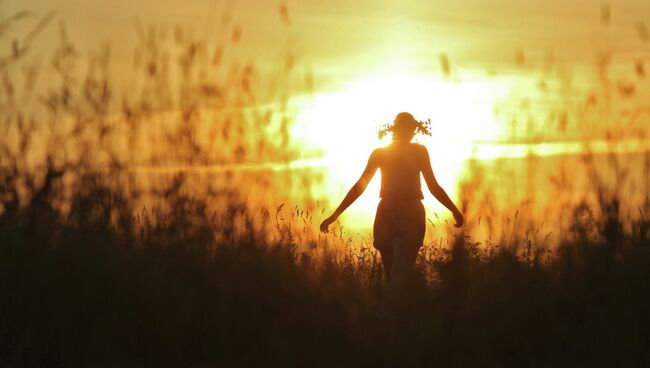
x,y
437,190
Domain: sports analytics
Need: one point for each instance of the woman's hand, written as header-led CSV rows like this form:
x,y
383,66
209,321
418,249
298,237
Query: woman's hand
x,y
326,223
459,219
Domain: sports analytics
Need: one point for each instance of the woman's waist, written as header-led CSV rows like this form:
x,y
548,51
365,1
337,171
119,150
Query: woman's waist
x,y
404,208
412,194
401,190
401,200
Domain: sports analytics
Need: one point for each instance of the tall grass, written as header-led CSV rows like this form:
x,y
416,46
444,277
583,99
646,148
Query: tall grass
x,y
102,266
101,287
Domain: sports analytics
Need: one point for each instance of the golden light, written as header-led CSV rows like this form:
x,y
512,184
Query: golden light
x,y
343,125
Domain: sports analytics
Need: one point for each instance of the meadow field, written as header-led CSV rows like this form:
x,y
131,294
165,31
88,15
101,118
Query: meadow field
x,y
176,223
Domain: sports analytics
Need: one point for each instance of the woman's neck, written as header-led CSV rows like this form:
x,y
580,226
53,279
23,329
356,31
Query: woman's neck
x,y
401,141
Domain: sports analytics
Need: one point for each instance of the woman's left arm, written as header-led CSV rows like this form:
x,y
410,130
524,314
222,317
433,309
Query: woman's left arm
x,y
357,189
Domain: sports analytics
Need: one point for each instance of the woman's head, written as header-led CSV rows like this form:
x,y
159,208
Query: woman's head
x,y
404,127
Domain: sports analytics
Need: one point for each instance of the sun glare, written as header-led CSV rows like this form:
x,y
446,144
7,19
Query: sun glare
x,y
343,125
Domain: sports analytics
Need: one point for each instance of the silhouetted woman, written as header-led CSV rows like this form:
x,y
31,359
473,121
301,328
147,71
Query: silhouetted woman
x,y
400,221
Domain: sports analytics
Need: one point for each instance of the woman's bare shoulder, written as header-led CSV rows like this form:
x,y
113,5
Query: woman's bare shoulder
x,y
377,153
419,148
421,154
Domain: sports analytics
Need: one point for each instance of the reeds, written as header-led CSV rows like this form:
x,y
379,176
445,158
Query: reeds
x,y
103,265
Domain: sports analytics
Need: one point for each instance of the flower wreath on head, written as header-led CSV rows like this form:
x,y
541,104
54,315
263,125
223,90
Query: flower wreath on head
x,y
423,127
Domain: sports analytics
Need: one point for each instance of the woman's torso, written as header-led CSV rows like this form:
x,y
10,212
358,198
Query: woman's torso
x,y
400,166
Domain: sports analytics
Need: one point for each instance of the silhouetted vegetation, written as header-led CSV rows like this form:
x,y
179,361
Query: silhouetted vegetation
x,y
101,265
101,287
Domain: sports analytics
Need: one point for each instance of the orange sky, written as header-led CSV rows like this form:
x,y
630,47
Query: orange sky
x,y
341,38
364,54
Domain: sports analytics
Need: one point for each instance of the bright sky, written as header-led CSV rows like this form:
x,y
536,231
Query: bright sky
x,y
372,59
342,38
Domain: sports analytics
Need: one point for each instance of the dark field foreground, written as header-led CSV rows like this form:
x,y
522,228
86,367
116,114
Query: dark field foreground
x,y
100,287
